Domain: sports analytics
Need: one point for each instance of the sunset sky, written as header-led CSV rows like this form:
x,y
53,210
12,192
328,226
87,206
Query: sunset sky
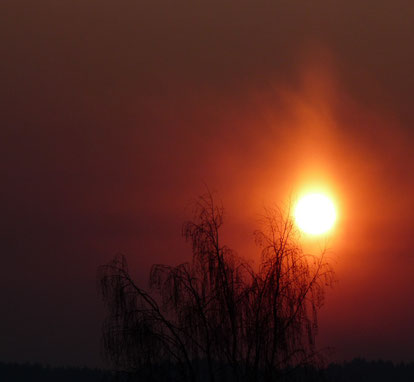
x,y
116,114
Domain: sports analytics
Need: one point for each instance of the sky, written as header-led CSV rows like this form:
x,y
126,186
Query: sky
x,y
116,115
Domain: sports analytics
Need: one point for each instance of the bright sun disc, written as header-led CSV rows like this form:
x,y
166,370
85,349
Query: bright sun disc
x,y
315,214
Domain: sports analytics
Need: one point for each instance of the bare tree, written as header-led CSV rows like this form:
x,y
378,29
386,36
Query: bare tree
x,y
286,294
214,317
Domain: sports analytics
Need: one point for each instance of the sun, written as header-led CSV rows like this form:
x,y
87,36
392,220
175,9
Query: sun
x,y
315,214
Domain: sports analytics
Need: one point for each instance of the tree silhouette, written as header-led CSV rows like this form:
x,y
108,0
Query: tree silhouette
x,y
216,318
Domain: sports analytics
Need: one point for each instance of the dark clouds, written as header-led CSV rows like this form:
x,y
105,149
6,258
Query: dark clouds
x,y
113,114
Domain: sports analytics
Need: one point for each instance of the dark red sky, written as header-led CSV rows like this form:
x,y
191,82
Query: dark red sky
x,y
114,115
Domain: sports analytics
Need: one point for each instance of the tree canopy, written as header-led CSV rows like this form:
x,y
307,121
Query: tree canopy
x,y
215,317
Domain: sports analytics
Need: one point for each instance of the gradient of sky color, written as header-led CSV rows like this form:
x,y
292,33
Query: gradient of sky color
x,y
115,114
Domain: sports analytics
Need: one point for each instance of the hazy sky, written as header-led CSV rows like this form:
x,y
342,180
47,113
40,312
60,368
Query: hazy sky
x,y
114,114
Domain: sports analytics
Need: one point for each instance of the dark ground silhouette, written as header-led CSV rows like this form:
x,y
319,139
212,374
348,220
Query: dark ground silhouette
x,y
357,370
362,370
14,372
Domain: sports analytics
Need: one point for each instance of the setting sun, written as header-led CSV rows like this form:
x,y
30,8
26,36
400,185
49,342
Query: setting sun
x,y
315,214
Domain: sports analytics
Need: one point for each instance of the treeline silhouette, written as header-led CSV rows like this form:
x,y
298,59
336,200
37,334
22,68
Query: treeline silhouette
x,y
357,370
28,372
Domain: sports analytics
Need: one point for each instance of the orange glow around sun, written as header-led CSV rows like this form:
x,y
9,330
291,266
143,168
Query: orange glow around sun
x,y
315,213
